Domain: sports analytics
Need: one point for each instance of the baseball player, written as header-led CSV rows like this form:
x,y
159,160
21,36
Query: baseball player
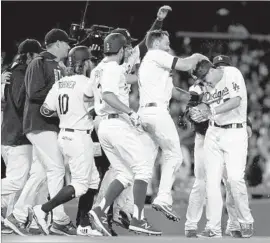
x,y
42,132
123,206
16,148
225,144
67,99
156,89
118,136
198,192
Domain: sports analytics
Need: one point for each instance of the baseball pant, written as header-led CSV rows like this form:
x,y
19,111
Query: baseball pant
x,y
125,151
77,148
160,126
197,197
226,147
35,190
48,151
18,161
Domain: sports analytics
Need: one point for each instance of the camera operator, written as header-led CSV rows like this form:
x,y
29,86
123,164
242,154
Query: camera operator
x,y
16,148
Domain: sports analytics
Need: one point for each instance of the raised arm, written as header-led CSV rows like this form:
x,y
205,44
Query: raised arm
x,y
161,15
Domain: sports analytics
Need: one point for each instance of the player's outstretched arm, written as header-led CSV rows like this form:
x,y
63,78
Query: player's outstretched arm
x,y
189,63
161,15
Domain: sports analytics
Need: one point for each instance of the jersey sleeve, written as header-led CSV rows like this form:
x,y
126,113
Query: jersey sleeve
x,y
110,79
235,83
164,59
89,88
51,98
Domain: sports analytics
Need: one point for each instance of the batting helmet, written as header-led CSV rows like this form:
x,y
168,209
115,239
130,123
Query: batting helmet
x,y
222,60
125,33
78,54
114,42
202,69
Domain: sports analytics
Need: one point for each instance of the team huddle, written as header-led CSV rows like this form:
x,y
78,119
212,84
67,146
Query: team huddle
x,y
61,104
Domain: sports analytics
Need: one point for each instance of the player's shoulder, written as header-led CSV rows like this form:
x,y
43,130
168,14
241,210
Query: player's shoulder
x,y
232,70
157,52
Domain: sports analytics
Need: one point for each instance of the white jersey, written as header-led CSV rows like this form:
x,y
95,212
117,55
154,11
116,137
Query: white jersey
x,y
231,85
155,81
67,98
108,77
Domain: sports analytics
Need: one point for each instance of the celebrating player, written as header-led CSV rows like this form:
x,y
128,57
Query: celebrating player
x,y
225,142
67,99
156,89
118,136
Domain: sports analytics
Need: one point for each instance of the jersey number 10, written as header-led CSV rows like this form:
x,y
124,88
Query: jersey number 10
x,y
63,103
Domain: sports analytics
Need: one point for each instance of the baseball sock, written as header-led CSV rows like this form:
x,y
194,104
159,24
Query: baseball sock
x,y
139,193
64,195
114,190
85,204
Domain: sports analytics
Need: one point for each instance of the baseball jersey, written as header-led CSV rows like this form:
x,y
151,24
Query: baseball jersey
x,y
231,85
155,82
107,77
66,97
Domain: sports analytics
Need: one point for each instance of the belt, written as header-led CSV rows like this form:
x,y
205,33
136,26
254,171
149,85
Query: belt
x,y
153,104
233,125
74,130
111,116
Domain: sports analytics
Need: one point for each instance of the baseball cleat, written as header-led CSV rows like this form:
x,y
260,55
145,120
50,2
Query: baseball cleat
x,y
15,225
142,226
66,229
191,233
246,230
35,231
167,211
209,234
5,230
101,221
40,217
87,231
122,219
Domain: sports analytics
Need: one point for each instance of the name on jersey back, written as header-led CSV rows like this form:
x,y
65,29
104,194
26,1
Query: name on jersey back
x,y
66,84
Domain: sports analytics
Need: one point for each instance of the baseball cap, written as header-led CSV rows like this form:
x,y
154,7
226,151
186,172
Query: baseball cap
x,y
125,33
222,59
29,45
114,42
202,68
56,35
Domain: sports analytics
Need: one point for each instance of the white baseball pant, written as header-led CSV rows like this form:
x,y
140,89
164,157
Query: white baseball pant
x,y
160,126
197,197
48,151
125,151
226,147
35,190
18,161
77,148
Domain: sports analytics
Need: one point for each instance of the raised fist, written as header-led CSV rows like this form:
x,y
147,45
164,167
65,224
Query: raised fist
x,y
163,11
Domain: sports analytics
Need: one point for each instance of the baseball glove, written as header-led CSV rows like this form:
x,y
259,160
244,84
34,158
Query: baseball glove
x,y
200,113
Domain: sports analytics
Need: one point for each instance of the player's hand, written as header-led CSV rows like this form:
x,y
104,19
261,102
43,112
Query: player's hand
x,y
94,47
163,11
199,115
135,119
5,77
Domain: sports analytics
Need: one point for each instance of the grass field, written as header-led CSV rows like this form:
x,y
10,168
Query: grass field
x,y
172,232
